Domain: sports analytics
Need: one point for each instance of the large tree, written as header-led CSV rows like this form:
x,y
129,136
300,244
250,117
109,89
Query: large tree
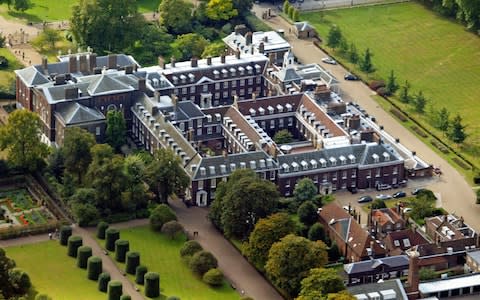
x,y
267,232
420,102
189,45
243,6
366,64
106,25
21,138
134,195
176,15
165,175
322,280
116,133
307,213
76,151
152,41
334,37
457,132
290,260
304,190
220,10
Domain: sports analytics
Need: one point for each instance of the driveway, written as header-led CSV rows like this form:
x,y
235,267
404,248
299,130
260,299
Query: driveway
x,y
456,194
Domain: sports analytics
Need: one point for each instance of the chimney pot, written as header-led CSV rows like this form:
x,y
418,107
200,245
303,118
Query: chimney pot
x,y
45,64
222,58
248,38
172,62
261,48
237,53
161,62
209,61
194,62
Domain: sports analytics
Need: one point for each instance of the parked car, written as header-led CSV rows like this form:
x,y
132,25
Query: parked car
x,y
353,190
417,190
399,194
329,60
383,197
365,199
350,76
381,187
407,210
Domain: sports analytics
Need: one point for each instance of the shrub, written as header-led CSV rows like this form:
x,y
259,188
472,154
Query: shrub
x,y
140,272
101,228
213,277
189,248
133,261
316,232
439,146
103,280
74,242
376,84
160,215
476,177
94,267
478,196
65,233
382,92
427,274
114,290
111,235
125,297
83,253
152,285
419,131
307,213
121,249
461,163
203,261
172,229
333,252
378,204
398,114
173,298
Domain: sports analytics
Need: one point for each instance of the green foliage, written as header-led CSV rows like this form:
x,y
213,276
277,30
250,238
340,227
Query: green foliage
x,y
420,102
353,56
151,42
214,49
83,253
290,11
176,15
378,203
442,120
213,277
85,214
172,229
76,150
133,261
121,249
267,232
324,281
316,233
21,138
134,196
334,37
101,228
94,267
457,132
114,290
334,252
290,259
21,5
140,272
111,236
189,45
202,261
19,281
404,93
283,137
160,215
392,85
116,133
74,242
477,193
307,213
220,10
125,297
296,15
422,205
3,61
47,39
103,280
366,64
343,47
42,297
427,274
304,190
65,233
152,284
189,248
286,6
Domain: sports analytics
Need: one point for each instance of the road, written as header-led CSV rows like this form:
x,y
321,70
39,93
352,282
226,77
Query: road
x,y
457,195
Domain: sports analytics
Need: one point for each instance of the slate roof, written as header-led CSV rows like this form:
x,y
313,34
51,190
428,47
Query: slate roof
x,y
102,61
302,26
288,75
74,113
31,76
106,84
369,265
55,93
365,289
184,111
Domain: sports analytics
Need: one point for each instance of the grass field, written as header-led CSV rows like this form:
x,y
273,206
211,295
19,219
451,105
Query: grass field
x,y
434,54
7,77
161,254
53,272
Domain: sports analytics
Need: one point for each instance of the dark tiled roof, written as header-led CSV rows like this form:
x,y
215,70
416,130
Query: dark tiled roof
x,y
74,113
310,105
31,76
369,265
301,26
189,110
242,124
103,84
245,105
288,75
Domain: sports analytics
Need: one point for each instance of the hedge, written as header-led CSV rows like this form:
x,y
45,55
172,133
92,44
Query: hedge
x,y
74,242
398,114
133,261
101,228
189,248
419,131
140,272
114,290
121,249
65,233
152,284
213,277
83,253
94,267
103,280
125,297
461,163
111,235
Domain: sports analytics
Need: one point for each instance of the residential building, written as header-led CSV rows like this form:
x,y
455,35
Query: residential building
x,y
383,290
371,271
473,261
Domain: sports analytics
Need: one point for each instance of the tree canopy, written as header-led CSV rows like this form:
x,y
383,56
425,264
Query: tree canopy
x,y
116,133
76,151
189,45
305,190
334,37
283,137
457,132
176,15
324,281
220,10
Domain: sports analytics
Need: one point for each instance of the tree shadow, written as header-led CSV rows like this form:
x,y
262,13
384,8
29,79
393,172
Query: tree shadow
x,y
25,16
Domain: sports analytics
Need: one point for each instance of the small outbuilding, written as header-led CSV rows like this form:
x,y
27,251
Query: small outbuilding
x,y
303,30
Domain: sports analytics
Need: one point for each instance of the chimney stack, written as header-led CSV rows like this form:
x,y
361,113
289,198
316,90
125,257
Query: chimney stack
x,y
172,62
72,64
271,58
129,69
265,38
209,60
194,62
142,84
252,50
161,62
413,275
156,96
45,65
248,38
237,53
71,93
92,62
83,64
261,48
222,58
112,61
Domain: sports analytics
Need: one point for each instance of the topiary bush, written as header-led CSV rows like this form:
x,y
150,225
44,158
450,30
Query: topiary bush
x,y
160,215
74,242
133,261
103,280
114,290
213,277
111,235
152,284
121,249
203,261
65,233
83,253
101,228
125,297
140,272
94,267
189,248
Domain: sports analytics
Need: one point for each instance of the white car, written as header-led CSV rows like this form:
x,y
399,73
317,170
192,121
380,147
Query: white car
x,y
407,210
383,197
329,60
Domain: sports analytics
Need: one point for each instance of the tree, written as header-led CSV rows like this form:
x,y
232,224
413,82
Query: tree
x,y
286,6
420,102
189,45
316,232
76,150
427,274
203,261
214,49
56,163
333,252
334,37
457,132
243,6
422,206
6,265
267,232
97,23
343,46
21,138
290,259
47,39
353,54
172,229
296,15
378,204
392,85
176,15
404,92
19,280
160,215
343,295
213,277
283,137
366,63
165,175
304,190
290,11
307,213
22,5
85,213
322,280
221,10
443,120
116,133
134,195
189,248
152,41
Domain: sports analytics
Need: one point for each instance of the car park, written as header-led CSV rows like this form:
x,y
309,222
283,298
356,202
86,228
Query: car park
x,y
329,60
383,197
350,76
399,194
365,199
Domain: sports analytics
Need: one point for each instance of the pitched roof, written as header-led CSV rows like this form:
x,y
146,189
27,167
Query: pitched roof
x,y
104,84
369,265
302,26
364,289
31,76
288,75
385,215
74,113
406,238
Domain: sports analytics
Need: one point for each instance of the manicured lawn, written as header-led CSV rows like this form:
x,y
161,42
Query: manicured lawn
x,y
148,5
53,272
434,54
7,77
161,254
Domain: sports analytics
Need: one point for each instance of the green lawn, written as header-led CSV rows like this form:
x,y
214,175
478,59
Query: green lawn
x,y
161,254
7,77
53,272
434,54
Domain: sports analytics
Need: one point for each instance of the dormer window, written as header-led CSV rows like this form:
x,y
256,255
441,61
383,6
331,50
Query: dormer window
x,y
232,167
224,73
253,165
216,74
249,69
209,118
286,168
269,162
175,79
270,110
212,170
279,108
252,112
241,70
304,165
333,161
191,77
243,165
295,166
289,107
261,110
323,162
183,78
375,158
258,68
223,169
351,157
262,163
218,117
313,163
203,171
343,160
386,156
233,71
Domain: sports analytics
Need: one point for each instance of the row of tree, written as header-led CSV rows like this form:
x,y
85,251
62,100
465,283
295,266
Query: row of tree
x,y
291,11
465,11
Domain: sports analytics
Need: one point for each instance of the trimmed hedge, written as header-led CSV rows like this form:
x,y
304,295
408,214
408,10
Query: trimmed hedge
x,y
462,164
83,253
133,261
101,228
213,277
419,131
111,235
140,272
152,284
74,242
65,233
121,249
125,297
114,290
94,267
103,280
439,146
398,114
202,261
189,248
